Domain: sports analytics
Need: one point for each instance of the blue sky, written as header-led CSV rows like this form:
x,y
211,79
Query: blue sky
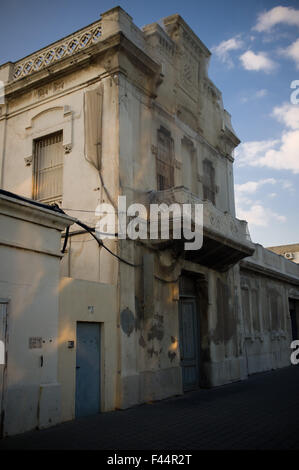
x,y
255,58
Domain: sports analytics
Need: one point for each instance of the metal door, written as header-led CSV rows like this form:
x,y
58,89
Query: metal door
x,y
294,324
88,371
3,326
189,347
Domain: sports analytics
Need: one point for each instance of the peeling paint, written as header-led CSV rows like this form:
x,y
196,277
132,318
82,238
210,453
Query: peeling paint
x,y
171,355
151,352
226,325
157,329
127,321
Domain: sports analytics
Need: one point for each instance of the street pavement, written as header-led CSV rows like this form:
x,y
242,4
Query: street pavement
x,y
259,413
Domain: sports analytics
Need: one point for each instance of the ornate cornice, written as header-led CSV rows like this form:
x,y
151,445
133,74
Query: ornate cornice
x,y
67,64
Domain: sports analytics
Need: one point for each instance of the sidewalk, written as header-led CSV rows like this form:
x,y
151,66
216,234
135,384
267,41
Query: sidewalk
x,y
259,413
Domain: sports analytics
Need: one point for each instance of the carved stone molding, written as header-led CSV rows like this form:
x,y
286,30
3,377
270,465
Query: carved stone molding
x,y
28,160
48,121
67,148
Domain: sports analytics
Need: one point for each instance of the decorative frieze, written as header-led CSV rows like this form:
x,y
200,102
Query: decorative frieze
x,y
166,46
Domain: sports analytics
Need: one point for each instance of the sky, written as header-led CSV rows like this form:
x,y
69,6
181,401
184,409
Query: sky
x,y
255,60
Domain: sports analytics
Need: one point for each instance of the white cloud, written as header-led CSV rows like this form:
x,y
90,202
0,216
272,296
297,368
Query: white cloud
x,y
286,157
225,47
292,52
287,185
280,154
253,210
257,95
248,153
261,93
259,215
257,61
252,186
276,15
288,114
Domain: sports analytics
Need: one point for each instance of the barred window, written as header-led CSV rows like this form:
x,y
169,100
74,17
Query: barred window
x,y
48,168
209,188
164,160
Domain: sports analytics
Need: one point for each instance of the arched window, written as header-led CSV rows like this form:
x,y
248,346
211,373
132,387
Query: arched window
x,y
209,187
164,160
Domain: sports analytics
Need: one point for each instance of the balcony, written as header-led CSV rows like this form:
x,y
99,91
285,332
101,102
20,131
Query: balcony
x,y
226,240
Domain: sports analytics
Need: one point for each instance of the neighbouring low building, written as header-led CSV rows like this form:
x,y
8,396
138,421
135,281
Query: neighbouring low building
x,y
30,238
290,252
113,110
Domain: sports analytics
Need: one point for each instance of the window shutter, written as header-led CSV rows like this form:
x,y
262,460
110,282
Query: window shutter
x,y
93,108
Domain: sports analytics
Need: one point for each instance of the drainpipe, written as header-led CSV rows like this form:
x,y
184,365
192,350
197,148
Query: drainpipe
x,y
6,76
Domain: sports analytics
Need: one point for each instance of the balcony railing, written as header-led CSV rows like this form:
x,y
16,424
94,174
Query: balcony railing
x,y
214,220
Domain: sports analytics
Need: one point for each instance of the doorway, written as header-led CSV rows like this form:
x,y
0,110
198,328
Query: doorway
x,y
189,333
293,315
88,369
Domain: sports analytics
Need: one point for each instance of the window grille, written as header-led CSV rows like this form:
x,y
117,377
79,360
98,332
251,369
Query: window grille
x,y
48,168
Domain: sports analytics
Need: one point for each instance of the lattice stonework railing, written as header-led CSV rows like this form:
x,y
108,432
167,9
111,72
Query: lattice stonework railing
x,y
57,51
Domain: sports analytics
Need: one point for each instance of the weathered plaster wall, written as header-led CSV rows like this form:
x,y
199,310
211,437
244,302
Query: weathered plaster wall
x,y
268,281
29,281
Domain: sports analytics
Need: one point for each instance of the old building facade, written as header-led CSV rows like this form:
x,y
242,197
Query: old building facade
x,y
112,110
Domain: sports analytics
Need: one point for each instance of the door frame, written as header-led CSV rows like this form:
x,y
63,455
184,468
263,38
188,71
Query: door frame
x,y
295,312
4,301
183,296
101,385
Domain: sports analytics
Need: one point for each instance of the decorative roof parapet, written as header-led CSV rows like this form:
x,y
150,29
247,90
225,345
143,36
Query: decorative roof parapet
x,y
113,21
67,46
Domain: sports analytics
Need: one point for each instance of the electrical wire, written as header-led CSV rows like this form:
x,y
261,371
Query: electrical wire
x,y
101,244
56,208
65,239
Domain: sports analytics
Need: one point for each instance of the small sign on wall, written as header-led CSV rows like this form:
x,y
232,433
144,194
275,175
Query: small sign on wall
x,y
35,342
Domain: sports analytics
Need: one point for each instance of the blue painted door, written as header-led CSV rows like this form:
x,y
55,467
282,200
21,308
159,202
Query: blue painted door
x,y
88,371
189,349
